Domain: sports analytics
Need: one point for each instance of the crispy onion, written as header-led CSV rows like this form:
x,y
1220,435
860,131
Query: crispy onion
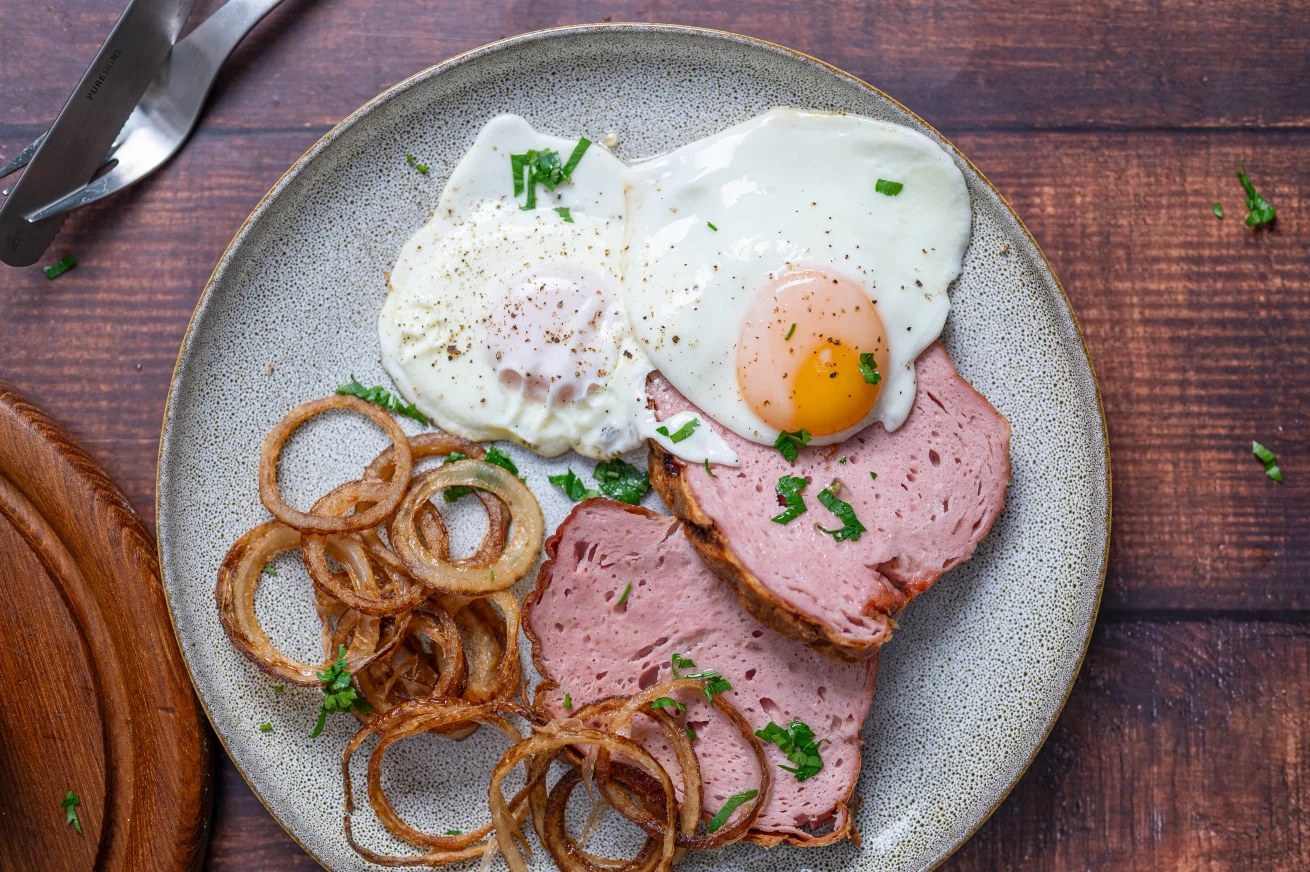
x,y
546,744
238,580
618,715
441,444
428,662
357,587
385,495
568,854
409,719
445,576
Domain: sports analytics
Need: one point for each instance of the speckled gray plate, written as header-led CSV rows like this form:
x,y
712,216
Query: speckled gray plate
x,y
974,679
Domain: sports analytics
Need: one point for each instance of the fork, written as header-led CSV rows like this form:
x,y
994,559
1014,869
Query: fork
x,y
167,112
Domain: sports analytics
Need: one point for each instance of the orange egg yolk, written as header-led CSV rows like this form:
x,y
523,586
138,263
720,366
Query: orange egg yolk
x,y
800,353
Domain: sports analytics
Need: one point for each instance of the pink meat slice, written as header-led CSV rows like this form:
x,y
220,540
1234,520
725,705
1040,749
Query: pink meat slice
x,y
941,480
589,646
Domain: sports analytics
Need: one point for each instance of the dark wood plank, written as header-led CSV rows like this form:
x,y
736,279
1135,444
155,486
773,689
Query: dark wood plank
x,y
244,835
1183,746
1200,330
960,64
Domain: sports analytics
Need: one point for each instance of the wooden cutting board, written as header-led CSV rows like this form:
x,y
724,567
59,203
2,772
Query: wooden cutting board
x,y
97,698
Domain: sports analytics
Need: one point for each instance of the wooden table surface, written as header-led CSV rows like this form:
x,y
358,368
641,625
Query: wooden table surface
x,y
1111,128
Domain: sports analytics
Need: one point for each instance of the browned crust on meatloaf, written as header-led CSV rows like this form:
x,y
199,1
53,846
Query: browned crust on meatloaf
x,y
763,604
548,683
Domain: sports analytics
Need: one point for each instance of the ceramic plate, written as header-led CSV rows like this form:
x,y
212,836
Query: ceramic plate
x,y
978,672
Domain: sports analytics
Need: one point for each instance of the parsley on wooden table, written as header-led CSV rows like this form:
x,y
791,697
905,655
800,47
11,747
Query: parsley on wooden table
x,y
69,804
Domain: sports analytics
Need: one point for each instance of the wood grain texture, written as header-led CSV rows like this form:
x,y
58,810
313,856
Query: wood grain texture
x,y
990,64
1111,127
84,574
1183,746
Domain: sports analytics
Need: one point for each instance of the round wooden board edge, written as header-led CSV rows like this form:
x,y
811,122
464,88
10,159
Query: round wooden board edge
x,y
168,793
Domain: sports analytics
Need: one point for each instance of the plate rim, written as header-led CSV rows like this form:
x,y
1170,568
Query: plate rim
x,y
548,33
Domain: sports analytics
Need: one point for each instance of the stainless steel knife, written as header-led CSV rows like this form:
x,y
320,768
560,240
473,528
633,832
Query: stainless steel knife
x,y
85,129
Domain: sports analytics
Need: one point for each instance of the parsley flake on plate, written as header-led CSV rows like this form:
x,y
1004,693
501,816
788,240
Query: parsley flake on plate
x,y
269,570
422,168
851,527
729,807
380,396
891,189
797,742
620,480
789,495
454,832
711,226
683,432
1258,209
339,695
563,212
572,486
1269,459
266,727
789,444
59,267
69,804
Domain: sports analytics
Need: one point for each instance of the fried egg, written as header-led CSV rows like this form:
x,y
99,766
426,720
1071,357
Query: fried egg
x,y
504,322
507,323
785,273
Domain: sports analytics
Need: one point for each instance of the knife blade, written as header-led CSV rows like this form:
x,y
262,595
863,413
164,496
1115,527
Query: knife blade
x,y
85,128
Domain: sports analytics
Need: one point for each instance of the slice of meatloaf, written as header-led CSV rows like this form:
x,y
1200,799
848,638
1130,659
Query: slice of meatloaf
x,y
940,484
588,645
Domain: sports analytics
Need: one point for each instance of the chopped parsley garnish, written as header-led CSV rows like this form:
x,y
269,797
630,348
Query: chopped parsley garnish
x,y
729,807
709,471
711,226
1258,209
714,682
669,703
1217,210
852,528
69,804
279,688
543,166
790,331
1269,459
797,742
683,432
494,456
454,832
55,270
791,443
873,475
380,396
789,494
568,701
563,212
620,480
891,189
691,734
266,728
869,369
339,695
269,570
423,168
841,460
624,598
572,486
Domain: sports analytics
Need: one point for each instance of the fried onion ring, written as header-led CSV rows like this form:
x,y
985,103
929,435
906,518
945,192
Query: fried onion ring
x,y
568,854
412,670
546,744
406,720
519,554
234,593
385,495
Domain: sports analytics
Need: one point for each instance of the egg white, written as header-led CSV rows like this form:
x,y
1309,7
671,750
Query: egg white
x,y
789,189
